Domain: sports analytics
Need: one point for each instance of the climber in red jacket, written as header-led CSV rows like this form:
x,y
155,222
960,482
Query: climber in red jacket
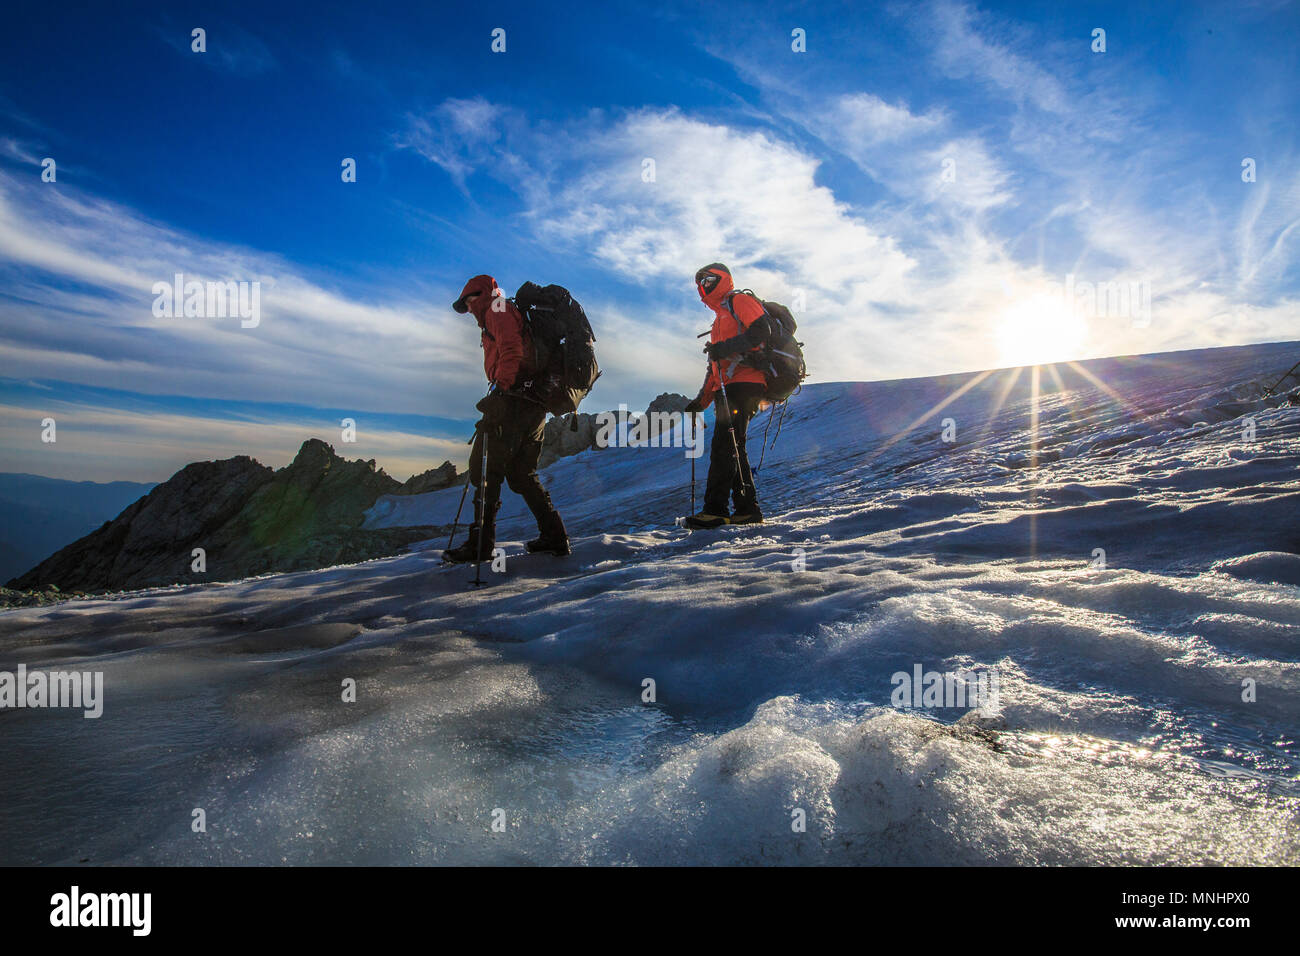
x,y
740,325
512,425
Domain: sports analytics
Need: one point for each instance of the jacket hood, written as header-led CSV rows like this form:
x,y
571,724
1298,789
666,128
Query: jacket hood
x,y
487,287
721,290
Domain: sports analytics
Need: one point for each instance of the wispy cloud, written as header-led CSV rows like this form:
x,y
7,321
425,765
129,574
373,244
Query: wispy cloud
x,y
76,263
459,135
968,45
19,150
127,445
228,47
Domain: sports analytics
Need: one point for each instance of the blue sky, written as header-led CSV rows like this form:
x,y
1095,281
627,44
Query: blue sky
x,y
818,176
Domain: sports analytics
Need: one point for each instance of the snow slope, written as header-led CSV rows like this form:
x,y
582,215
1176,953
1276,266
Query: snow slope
x,y
1122,736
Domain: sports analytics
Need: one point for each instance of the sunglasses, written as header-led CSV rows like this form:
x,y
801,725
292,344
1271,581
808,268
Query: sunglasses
x,y
709,281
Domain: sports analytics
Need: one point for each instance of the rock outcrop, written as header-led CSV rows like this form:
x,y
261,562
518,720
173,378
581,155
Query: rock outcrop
x,y
247,518
50,595
668,402
432,480
563,438
570,435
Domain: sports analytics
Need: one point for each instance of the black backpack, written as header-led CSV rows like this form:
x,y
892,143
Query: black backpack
x,y
780,358
564,360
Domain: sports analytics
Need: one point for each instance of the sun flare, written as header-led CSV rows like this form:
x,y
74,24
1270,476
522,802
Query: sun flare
x,y
1040,330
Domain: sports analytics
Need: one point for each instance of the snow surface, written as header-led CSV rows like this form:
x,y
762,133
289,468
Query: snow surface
x,y
1122,735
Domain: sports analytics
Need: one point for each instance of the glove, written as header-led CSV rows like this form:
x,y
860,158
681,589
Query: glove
x,y
492,405
693,407
717,351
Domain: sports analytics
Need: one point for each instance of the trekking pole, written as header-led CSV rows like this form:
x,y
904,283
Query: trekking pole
x,y
766,429
731,427
455,524
780,423
695,436
463,493
1269,391
482,509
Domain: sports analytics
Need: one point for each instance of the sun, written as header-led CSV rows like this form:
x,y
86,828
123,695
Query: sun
x,y
1040,330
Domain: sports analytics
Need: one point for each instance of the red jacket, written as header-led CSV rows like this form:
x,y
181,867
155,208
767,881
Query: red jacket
x,y
505,340
725,327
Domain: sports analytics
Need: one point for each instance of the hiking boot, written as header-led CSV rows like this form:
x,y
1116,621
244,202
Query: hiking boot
x,y
705,520
469,551
553,538
751,517
548,545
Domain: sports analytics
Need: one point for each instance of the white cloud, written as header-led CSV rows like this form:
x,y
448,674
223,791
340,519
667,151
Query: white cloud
x,y
742,197
977,182
125,445
79,274
19,151
864,121
719,193
459,135
967,45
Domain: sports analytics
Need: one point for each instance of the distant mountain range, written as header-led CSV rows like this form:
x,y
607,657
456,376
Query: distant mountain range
x,y
82,536
39,515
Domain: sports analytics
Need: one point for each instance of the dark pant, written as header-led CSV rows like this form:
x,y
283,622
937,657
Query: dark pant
x,y
514,444
742,400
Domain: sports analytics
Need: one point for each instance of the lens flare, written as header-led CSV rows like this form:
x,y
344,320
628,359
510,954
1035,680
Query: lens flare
x,y
1040,330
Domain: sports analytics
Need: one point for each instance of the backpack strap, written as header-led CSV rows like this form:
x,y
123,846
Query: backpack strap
x,y
735,292
524,327
531,361
745,330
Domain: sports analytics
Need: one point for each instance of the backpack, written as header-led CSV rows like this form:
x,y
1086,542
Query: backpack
x,y
563,363
780,358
